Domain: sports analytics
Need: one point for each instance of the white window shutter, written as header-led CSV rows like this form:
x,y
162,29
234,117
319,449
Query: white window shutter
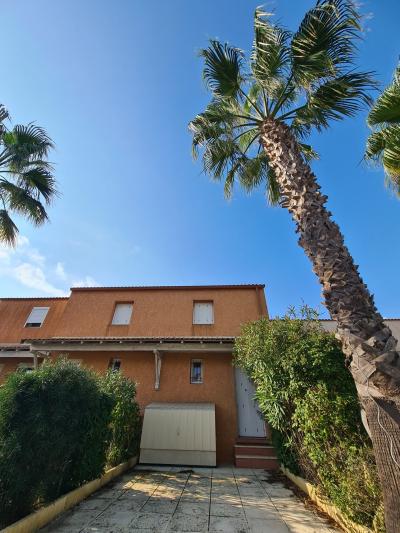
x,y
203,313
122,314
37,315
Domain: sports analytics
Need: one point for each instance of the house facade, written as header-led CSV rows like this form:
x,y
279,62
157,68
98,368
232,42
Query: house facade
x,y
175,342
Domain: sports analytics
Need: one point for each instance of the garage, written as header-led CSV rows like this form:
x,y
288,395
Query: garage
x,y
179,434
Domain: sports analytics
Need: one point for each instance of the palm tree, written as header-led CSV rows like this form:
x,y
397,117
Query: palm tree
x,y
27,184
254,132
383,145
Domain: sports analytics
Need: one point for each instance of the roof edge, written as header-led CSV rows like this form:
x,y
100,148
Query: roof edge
x,y
166,339
170,287
35,298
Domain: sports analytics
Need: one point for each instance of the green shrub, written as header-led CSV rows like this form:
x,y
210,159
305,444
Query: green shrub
x,y
339,449
309,399
286,451
125,423
54,429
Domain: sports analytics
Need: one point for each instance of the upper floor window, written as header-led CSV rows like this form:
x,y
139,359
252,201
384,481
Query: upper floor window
x,y
203,313
122,314
36,317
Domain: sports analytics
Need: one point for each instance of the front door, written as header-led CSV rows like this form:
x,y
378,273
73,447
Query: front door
x,y
250,421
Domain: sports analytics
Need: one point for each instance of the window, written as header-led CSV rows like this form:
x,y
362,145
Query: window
x,y
36,317
203,313
122,314
115,365
196,371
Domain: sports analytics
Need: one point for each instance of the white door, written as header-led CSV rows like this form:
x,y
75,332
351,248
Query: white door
x,y
251,423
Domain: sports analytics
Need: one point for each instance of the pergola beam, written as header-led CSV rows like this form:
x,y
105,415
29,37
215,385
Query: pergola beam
x,y
126,347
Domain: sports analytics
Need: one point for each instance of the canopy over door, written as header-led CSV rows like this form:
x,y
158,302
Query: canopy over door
x,y
179,434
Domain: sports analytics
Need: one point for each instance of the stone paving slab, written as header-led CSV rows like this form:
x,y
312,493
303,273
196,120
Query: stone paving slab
x,y
191,500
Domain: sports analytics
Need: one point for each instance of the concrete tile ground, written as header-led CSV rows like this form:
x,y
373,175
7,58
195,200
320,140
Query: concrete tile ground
x,y
171,499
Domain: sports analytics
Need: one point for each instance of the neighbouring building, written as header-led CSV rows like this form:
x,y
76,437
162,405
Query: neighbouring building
x,y
175,342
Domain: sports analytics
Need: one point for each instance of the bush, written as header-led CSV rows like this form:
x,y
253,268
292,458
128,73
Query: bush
x,y
339,449
59,427
53,430
125,422
309,399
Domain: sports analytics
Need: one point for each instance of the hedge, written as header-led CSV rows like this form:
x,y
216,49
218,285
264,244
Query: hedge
x,y
309,399
60,426
125,421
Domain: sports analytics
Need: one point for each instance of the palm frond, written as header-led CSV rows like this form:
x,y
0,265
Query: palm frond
x,y
270,57
230,179
247,138
272,188
375,145
386,109
253,172
39,181
223,119
218,156
342,96
21,201
3,117
3,114
253,98
324,43
308,152
222,70
24,145
202,131
384,147
8,230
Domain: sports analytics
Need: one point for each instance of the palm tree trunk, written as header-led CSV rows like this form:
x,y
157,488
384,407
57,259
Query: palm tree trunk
x,y
387,442
367,342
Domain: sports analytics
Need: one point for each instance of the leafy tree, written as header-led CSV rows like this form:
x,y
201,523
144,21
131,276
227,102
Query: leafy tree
x,y
254,131
27,184
383,145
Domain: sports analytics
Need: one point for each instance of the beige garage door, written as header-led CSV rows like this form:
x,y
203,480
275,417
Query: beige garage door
x,y
179,434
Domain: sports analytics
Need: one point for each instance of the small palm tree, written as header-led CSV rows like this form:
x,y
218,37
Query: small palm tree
x,y
27,184
254,132
383,145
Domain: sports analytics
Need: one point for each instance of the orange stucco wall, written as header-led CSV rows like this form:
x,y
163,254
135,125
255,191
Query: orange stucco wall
x,y
159,313
14,312
9,364
156,312
218,385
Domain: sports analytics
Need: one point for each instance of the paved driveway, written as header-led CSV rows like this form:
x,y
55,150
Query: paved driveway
x,y
230,500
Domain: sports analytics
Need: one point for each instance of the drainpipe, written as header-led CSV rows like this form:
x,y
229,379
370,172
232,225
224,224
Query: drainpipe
x,y
157,365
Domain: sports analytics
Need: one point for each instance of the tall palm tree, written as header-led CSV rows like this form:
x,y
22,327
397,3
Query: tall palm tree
x,y
27,184
254,132
383,145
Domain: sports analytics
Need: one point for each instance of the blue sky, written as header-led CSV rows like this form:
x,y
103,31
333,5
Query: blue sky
x,y
115,85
